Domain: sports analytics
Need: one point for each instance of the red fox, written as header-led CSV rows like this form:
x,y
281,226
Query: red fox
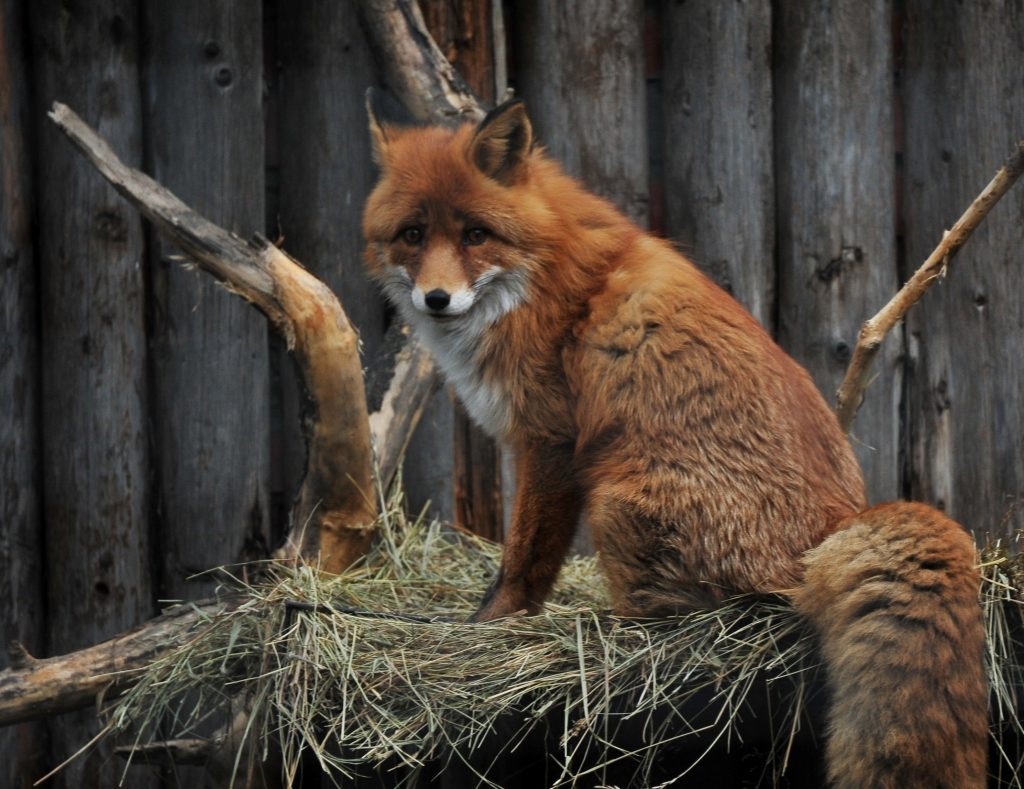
x,y
637,394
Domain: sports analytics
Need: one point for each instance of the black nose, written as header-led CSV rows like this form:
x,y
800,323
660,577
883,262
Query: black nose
x,y
437,299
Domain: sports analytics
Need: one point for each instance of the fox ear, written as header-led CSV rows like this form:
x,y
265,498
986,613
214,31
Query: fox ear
x,y
502,142
378,136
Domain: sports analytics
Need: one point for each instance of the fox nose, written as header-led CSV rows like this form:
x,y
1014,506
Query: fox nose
x,y
437,299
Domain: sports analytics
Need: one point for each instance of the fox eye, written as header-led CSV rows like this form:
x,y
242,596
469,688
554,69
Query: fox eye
x,y
412,236
475,236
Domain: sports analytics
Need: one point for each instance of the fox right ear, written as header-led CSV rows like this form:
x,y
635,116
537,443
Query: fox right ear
x,y
502,142
378,136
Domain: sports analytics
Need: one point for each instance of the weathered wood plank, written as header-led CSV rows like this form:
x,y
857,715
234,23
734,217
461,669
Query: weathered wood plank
x,y
835,177
21,579
717,116
463,29
202,81
93,355
324,67
479,503
964,112
428,473
579,66
320,148
438,95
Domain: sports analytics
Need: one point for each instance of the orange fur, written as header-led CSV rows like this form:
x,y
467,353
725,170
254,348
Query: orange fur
x,y
631,388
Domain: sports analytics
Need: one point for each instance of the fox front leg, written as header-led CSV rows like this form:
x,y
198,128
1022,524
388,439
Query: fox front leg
x,y
547,509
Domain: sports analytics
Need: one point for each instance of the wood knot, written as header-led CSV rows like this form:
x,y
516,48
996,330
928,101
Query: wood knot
x,y
110,225
848,257
223,76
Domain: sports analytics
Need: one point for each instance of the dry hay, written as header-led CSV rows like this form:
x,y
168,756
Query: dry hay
x,y
377,669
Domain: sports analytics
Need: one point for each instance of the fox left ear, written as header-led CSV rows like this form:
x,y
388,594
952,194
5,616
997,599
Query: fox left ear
x,y
502,142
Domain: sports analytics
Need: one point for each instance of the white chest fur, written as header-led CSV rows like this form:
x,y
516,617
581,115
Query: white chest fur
x,y
457,344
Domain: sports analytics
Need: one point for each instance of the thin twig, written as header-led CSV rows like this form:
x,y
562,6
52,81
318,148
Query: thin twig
x,y
333,608
869,340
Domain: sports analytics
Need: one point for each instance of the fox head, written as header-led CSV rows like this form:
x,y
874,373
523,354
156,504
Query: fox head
x,y
444,227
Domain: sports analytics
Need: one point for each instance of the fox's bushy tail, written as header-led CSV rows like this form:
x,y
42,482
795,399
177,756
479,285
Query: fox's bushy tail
x,y
894,597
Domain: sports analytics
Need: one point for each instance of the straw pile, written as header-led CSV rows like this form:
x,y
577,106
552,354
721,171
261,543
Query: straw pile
x,y
376,669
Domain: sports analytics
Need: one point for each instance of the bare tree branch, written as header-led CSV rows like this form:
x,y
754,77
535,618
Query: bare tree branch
x,y
414,379
34,688
869,340
336,506
218,754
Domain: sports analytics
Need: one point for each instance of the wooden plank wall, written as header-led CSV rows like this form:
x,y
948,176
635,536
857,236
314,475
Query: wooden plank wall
x,y
836,251
22,748
208,353
318,67
717,125
579,65
963,111
807,156
95,451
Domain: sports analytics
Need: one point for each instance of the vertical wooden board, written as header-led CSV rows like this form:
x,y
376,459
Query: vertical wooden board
x,y
21,589
324,68
90,250
464,31
579,66
321,145
835,203
478,500
964,111
717,118
428,472
202,91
